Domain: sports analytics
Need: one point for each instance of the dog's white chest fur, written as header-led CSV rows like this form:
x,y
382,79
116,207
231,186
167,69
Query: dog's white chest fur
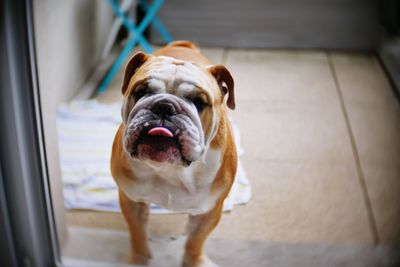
x,y
178,188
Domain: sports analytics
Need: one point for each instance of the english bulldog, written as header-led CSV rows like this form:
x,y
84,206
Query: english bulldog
x,y
175,145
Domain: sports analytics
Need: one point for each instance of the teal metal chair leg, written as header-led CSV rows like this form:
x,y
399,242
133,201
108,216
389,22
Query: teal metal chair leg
x,y
136,36
136,32
118,62
158,24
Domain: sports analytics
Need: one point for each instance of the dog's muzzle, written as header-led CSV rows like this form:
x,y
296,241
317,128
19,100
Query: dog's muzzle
x,y
164,128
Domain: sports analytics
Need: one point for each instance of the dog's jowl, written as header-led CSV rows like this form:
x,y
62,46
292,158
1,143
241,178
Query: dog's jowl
x,y
175,146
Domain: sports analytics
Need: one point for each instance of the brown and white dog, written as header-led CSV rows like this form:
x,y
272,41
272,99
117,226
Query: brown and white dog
x,y
175,146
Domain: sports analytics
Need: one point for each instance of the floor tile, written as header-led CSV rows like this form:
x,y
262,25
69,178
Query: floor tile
x,y
292,133
300,202
297,149
374,115
96,219
282,79
298,117
101,248
384,190
376,132
159,225
363,81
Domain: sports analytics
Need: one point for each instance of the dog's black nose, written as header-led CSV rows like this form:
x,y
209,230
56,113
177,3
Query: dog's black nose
x,y
163,109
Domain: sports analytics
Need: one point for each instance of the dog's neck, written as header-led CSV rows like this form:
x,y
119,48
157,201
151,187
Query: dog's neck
x,y
191,177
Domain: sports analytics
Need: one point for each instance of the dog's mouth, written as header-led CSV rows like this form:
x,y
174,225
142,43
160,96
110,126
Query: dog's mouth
x,y
159,141
164,128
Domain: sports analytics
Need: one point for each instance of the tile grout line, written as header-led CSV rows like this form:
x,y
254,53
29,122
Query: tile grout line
x,y
360,173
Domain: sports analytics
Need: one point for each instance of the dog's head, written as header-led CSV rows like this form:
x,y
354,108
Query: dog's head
x,y
172,108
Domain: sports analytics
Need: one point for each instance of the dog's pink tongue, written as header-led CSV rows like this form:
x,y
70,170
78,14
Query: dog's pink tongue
x,y
160,131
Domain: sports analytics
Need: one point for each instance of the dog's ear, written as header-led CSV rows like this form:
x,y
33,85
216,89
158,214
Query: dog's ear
x,y
133,64
225,83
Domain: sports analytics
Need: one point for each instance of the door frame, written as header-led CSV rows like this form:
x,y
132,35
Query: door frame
x,y
29,238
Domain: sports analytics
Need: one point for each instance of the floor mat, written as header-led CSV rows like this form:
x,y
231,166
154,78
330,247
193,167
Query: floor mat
x,y
86,131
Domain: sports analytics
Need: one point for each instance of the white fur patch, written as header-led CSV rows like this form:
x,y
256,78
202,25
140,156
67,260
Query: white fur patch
x,y
175,76
182,189
157,85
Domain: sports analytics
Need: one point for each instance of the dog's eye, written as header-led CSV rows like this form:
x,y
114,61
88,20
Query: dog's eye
x,y
138,94
199,104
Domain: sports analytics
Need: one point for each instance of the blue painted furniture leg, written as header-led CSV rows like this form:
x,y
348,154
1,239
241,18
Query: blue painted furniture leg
x,y
134,32
136,36
158,24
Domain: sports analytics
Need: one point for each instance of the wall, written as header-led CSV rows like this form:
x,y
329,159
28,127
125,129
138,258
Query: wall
x,y
70,35
338,24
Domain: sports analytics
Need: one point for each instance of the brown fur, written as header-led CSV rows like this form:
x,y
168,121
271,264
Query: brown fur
x,y
136,213
183,50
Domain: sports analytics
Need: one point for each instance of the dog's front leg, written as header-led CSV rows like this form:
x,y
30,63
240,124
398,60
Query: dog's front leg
x,y
199,227
136,215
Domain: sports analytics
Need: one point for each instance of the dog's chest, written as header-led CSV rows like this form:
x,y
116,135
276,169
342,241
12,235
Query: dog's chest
x,y
182,189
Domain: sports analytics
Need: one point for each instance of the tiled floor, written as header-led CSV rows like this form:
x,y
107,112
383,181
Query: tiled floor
x,y
321,133
232,253
374,117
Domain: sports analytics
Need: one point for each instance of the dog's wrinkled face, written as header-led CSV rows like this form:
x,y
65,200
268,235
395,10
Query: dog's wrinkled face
x,y
170,109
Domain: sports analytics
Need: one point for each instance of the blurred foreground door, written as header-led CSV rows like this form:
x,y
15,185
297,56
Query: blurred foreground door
x,y
27,234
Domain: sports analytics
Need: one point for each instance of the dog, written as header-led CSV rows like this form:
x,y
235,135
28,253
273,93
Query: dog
x,y
175,145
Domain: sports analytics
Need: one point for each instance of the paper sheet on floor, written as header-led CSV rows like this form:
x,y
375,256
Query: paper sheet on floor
x,y
86,131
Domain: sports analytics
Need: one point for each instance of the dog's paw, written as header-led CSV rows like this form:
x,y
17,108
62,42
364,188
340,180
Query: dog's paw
x,y
202,261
